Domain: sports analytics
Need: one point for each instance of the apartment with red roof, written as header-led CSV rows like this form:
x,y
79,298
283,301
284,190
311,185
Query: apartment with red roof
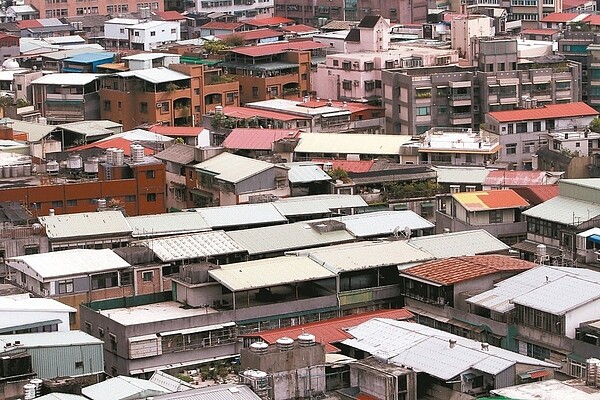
x,y
524,131
497,211
50,9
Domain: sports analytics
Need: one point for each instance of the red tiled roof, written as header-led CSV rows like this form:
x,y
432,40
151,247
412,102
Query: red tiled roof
x,y
169,15
256,138
353,107
540,31
515,178
572,3
29,23
299,28
490,200
330,331
458,269
450,16
537,194
593,19
224,26
560,17
276,48
119,143
176,131
256,34
271,21
358,166
247,113
567,110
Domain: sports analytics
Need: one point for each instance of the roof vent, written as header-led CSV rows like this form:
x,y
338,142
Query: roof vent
x,y
306,340
485,346
259,347
451,343
285,343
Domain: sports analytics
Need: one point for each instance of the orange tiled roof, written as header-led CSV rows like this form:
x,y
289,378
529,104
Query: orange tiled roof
x,y
225,26
356,166
567,110
330,331
537,194
118,142
490,200
277,48
458,269
268,21
256,34
560,17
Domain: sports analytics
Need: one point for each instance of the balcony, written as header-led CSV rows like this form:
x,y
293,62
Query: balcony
x,y
64,97
369,294
461,119
460,100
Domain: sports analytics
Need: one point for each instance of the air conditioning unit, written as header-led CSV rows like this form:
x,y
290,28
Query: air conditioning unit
x,y
356,83
159,105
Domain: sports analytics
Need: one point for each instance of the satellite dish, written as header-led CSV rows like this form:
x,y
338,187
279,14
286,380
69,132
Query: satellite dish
x,y
396,231
407,232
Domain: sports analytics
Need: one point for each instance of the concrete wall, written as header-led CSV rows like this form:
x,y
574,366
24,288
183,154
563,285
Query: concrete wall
x,y
275,360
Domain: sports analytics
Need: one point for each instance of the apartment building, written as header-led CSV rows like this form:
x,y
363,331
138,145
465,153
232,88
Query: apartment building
x,y
174,96
136,34
242,9
49,9
456,96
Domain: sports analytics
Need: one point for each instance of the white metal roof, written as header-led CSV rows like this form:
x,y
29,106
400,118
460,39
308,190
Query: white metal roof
x,y
61,396
74,262
365,255
564,210
306,174
462,175
155,75
123,388
92,128
286,237
149,56
141,135
219,392
456,244
26,304
155,312
67,78
269,272
49,339
318,204
558,295
197,245
241,214
66,226
166,224
545,390
233,168
35,132
427,350
350,143
589,232
383,222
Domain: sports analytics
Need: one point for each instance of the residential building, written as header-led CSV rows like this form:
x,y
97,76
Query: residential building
x,y
90,27
237,8
227,179
102,7
142,61
503,179
9,45
24,314
546,306
450,364
51,28
86,62
556,222
218,28
571,152
464,27
257,142
497,211
140,34
67,97
272,70
257,36
522,132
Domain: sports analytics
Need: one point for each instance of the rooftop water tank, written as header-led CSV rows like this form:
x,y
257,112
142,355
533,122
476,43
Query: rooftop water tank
x,y
259,347
285,343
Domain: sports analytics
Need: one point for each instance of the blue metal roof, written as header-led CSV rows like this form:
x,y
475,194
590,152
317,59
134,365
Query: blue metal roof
x,y
91,57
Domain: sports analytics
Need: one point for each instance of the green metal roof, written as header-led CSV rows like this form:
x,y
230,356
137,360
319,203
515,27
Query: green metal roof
x,y
196,60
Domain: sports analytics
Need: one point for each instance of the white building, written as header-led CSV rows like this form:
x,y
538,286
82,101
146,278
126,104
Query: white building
x,y
464,27
150,60
32,314
242,10
139,34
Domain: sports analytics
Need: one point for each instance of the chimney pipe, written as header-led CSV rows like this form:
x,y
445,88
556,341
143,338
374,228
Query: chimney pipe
x,y
51,212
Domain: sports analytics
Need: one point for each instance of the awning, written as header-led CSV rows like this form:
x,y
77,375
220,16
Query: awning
x,y
336,114
540,373
197,329
508,82
594,238
469,376
459,84
466,325
142,338
422,313
528,246
541,79
21,327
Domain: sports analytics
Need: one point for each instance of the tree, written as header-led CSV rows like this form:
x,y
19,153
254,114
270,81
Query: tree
x,y
179,140
233,40
339,174
6,101
214,46
595,125
22,103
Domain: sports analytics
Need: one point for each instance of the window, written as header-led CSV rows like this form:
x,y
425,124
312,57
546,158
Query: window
x,y
304,77
423,111
136,33
119,105
347,85
65,286
144,107
79,364
163,106
369,86
19,86
511,148
113,341
274,91
147,276
150,174
454,188
103,281
528,147
31,249
126,278
369,65
346,65
71,203
130,199
336,63
389,64
496,216
88,327
470,188
254,91
57,204
100,332
522,127
230,98
151,197
173,31
152,33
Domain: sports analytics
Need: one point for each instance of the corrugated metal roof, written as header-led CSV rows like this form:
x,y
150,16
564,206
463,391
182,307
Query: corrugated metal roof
x,y
564,210
318,204
300,173
61,396
546,284
123,388
233,168
299,235
490,200
350,143
35,132
74,262
449,271
459,244
357,166
269,272
506,178
68,79
90,57
36,304
330,331
551,389
257,138
364,255
382,223
49,339
550,111
425,349
85,224
169,382
461,175
241,215
92,128
197,245
219,392
165,224
141,135
537,194
155,75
